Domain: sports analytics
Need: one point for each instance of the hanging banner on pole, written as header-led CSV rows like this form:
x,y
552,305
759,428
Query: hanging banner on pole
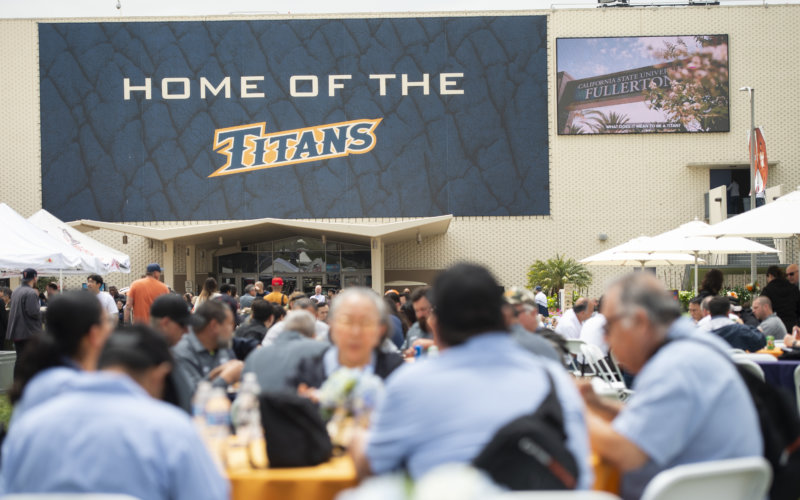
x,y
761,166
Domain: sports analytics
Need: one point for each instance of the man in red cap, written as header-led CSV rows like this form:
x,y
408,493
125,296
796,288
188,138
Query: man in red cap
x,y
277,296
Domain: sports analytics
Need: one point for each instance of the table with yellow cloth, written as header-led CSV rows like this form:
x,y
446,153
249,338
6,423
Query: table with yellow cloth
x,y
322,482
325,481
775,352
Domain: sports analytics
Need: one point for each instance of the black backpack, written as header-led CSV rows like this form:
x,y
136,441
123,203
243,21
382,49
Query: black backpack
x,y
294,431
780,431
530,452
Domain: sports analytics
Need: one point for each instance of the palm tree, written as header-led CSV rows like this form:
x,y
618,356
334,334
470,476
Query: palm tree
x,y
552,274
607,122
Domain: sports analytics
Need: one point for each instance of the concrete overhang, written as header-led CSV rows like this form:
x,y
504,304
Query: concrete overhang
x,y
256,230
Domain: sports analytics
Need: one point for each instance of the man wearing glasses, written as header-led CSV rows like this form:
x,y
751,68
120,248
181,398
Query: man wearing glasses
x,y
690,405
791,274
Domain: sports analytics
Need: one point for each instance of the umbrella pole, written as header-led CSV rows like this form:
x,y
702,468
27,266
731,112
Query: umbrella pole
x,y
60,280
695,273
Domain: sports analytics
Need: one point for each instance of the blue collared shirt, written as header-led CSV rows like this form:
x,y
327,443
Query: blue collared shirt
x,y
447,409
689,405
107,435
330,360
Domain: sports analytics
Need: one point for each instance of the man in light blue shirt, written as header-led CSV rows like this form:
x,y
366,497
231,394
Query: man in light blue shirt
x,y
689,404
105,434
446,409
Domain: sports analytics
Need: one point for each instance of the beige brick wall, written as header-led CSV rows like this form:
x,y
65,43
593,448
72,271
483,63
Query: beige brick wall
x,y
622,186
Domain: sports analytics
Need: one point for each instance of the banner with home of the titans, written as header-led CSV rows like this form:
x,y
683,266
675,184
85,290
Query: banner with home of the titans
x,y
401,117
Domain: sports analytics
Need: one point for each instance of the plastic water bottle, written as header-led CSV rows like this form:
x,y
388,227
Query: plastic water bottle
x,y
218,423
199,401
246,416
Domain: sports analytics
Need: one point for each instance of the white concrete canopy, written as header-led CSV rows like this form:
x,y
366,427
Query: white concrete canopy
x,y
375,235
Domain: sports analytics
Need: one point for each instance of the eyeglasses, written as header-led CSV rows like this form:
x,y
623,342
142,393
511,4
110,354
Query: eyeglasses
x,y
610,320
791,274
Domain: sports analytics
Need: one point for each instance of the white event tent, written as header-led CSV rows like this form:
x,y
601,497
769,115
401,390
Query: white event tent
x,y
95,256
24,245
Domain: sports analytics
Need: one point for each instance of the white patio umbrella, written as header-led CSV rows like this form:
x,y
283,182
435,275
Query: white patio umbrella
x,y
620,255
688,238
779,219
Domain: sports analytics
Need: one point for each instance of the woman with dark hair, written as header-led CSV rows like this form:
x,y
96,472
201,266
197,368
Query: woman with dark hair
x,y
397,329
208,292
711,285
77,329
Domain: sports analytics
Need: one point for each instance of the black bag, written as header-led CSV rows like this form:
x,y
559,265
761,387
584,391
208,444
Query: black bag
x,y
294,431
779,424
530,452
780,431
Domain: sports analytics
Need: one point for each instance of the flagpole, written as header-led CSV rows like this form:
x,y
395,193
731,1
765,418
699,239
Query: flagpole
x,y
751,91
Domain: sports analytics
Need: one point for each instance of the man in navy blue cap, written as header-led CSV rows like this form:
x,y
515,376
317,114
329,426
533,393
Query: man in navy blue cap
x,y
541,301
24,315
143,293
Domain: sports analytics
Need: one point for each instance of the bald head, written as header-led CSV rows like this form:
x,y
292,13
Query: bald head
x,y
792,275
762,307
583,308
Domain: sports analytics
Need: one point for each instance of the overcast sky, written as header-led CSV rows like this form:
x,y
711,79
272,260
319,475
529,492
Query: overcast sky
x,y
136,8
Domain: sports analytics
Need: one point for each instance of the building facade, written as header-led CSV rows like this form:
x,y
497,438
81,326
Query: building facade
x,y
602,189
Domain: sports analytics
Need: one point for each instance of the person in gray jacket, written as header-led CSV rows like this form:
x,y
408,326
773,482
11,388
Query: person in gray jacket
x,y
24,315
276,363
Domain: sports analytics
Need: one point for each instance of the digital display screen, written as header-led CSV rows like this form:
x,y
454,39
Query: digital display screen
x,y
649,84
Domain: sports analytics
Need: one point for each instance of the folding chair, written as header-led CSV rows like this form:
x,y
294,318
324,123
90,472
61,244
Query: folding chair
x,y
753,356
594,356
749,364
577,361
732,479
797,385
68,496
555,495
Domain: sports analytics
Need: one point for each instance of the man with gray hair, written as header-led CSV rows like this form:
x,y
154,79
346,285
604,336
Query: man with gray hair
x,y
249,296
276,363
689,404
302,304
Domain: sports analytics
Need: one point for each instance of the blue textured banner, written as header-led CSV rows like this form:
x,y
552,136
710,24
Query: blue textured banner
x,y
294,119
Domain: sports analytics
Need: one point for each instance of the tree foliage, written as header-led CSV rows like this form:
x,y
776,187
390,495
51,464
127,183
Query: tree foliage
x,y
698,93
552,274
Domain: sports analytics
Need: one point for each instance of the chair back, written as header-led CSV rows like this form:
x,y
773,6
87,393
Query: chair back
x,y
574,346
555,495
732,479
754,356
578,363
68,496
749,364
797,386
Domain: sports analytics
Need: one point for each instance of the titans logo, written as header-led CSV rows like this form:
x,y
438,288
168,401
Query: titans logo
x,y
249,147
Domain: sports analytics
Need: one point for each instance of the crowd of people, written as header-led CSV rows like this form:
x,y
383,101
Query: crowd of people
x,y
123,388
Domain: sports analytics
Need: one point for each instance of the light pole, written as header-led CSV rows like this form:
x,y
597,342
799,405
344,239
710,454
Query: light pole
x,y
751,91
